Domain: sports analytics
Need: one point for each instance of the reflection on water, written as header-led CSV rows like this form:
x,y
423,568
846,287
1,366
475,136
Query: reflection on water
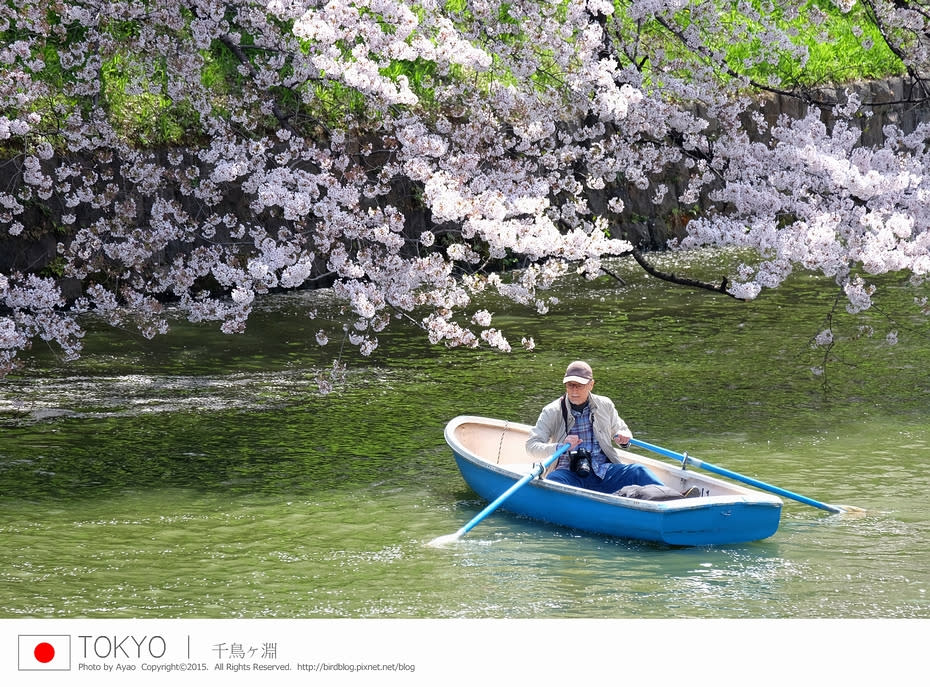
x,y
203,476
129,395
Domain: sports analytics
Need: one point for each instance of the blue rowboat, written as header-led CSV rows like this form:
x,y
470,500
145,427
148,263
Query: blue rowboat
x,y
491,456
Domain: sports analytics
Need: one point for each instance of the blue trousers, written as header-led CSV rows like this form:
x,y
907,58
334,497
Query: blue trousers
x,y
617,476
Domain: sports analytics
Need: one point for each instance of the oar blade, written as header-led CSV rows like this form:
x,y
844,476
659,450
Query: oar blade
x,y
850,510
445,540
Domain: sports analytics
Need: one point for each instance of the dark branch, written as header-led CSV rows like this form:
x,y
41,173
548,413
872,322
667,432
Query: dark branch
x,y
614,275
240,55
682,281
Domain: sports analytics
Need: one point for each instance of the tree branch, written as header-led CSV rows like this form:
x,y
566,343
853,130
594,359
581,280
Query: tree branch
x,y
240,55
682,281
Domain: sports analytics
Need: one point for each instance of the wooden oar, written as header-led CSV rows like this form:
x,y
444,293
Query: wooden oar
x,y
447,538
689,460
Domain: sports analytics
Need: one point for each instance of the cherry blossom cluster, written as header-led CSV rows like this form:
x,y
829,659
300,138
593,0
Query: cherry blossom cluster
x,y
315,128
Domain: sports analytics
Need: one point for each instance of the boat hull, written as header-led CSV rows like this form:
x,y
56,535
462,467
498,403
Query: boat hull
x,y
726,514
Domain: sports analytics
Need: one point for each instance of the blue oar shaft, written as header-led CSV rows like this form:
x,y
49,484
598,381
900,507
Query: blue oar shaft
x,y
710,467
503,497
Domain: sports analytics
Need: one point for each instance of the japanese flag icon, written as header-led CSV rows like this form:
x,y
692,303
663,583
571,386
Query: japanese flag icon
x,y
45,652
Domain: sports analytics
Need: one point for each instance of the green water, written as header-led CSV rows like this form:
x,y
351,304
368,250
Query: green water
x,y
200,475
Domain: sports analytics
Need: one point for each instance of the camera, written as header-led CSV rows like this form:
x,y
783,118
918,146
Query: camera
x,y
581,461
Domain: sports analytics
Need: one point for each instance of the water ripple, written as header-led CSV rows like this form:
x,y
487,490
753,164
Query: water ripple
x,y
27,401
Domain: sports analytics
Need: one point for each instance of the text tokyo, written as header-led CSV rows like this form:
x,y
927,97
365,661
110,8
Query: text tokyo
x,y
127,646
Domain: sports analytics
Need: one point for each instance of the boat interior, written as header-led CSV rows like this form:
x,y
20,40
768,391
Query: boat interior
x,y
504,443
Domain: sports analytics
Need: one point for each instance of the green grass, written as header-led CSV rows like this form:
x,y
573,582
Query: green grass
x,y
139,111
840,49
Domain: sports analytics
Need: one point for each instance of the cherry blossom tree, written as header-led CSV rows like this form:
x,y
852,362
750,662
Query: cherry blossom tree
x,y
207,153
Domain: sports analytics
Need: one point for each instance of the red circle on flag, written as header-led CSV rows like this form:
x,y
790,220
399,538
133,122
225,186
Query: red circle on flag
x,y
44,652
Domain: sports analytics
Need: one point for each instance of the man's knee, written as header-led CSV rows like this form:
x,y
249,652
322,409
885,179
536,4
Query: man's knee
x,y
643,475
563,476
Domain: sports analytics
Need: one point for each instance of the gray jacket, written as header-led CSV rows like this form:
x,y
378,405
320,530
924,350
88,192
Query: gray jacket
x,y
556,421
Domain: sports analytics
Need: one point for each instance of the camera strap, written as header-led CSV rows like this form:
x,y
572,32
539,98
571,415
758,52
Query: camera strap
x,y
565,412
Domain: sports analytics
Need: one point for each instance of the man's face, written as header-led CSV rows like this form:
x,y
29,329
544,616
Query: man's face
x,y
578,393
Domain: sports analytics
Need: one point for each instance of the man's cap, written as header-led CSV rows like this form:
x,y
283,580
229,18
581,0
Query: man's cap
x,y
580,372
